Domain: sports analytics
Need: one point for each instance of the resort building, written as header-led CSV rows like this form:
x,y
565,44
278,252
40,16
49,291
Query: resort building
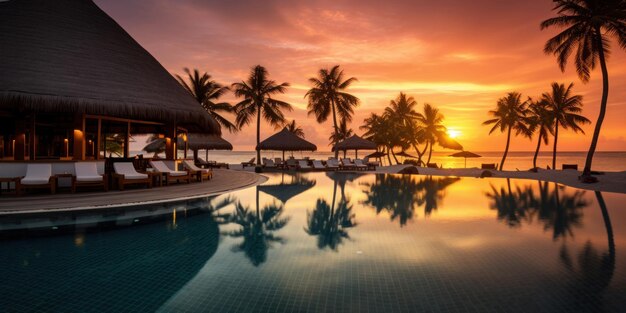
x,y
75,86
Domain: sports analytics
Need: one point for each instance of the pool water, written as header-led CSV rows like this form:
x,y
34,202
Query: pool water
x,y
329,242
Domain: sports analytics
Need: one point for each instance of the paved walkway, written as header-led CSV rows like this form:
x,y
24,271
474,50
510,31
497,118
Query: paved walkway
x,y
223,181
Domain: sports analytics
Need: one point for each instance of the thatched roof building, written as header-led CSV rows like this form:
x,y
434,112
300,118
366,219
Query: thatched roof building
x,y
285,140
69,57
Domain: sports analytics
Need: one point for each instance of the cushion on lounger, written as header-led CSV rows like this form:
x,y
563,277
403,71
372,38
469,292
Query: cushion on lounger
x,y
34,181
37,174
89,178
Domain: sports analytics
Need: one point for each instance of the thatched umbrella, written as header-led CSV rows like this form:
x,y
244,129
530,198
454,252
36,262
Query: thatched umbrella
x,y
465,155
70,57
355,143
285,140
195,142
284,191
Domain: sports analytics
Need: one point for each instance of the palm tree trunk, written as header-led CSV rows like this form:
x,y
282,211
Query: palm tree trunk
x,y
394,156
430,152
605,95
332,103
506,149
609,234
258,135
537,151
556,137
388,156
257,201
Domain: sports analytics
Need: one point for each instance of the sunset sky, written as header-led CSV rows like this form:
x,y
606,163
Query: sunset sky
x,y
460,56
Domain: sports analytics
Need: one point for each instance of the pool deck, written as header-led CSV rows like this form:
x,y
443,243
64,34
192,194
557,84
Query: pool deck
x,y
223,181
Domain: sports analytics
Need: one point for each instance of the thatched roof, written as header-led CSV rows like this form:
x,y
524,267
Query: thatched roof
x,y
207,142
355,143
285,140
194,142
68,56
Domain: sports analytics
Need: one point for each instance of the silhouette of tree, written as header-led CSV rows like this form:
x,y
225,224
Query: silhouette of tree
x,y
295,129
328,96
510,114
207,92
588,25
564,108
513,205
540,120
257,92
431,122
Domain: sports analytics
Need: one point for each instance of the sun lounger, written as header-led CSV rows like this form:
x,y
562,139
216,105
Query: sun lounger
x,y
358,164
432,165
249,163
170,174
317,164
332,164
371,163
126,174
37,176
303,165
346,163
488,166
268,163
278,162
201,173
292,163
87,175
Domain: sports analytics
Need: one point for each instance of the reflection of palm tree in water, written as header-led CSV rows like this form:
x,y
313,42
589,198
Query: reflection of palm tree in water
x,y
402,195
257,229
513,205
559,210
594,272
330,224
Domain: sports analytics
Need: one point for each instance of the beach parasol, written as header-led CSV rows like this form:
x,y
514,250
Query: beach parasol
x,y
446,142
355,143
405,155
285,140
465,155
284,191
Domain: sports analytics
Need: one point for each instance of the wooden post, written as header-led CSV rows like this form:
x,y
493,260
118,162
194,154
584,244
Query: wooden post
x,y
79,137
98,140
170,142
127,141
19,150
32,142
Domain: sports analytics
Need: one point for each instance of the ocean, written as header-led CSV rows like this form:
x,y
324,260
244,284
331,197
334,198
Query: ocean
x,y
603,161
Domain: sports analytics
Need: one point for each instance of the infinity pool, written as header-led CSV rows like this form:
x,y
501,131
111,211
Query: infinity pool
x,y
329,242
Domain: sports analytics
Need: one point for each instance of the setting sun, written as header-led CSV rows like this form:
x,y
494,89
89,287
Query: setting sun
x,y
453,133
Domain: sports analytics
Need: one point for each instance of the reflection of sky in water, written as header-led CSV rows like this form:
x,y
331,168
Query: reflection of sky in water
x,y
388,243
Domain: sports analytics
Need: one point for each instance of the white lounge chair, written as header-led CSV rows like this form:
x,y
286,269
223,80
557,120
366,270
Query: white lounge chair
x,y
87,175
304,165
332,164
126,174
249,163
358,164
201,173
169,173
269,163
317,164
347,163
37,176
292,163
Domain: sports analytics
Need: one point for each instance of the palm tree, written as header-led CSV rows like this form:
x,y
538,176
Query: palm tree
x,y
564,108
206,92
588,25
295,129
510,114
328,96
540,120
257,92
402,110
431,122
341,133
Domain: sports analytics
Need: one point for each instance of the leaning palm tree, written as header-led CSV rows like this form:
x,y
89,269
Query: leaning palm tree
x,y
257,92
431,122
328,96
207,92
540,120
564,108
295,129
402,110
510,114
588,24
